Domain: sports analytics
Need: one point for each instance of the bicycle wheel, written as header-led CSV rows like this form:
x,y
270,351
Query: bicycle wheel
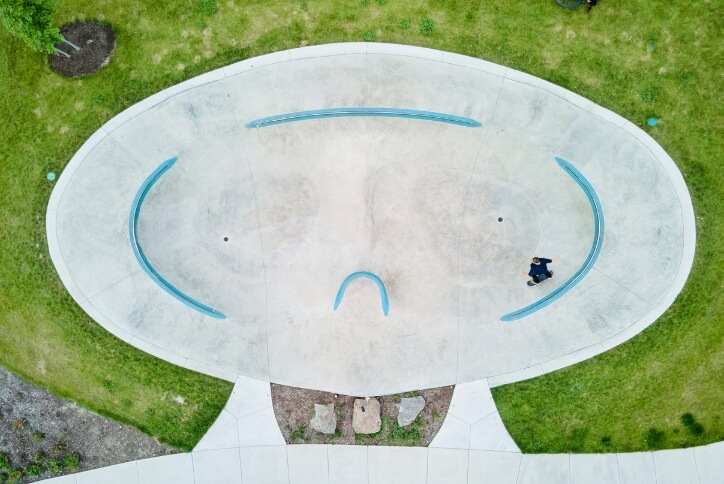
x,y
569,3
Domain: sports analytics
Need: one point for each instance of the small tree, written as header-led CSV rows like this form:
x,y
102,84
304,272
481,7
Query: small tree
x,y
30,20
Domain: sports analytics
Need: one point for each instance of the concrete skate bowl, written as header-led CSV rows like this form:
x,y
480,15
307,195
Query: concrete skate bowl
x,y
355,218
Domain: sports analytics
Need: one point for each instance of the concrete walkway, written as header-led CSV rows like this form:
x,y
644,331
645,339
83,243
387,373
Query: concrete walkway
x,y
221,247
245,446
330,464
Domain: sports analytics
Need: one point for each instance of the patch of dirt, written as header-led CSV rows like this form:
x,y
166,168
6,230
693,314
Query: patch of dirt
x,y
96,44
42,435
294,408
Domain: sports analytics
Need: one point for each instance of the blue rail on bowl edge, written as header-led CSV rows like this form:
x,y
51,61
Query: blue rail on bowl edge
x,y
592,255
363,112
141,257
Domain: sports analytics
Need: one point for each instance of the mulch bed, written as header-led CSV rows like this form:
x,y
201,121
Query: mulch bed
x,y
42,435
96,44
294,408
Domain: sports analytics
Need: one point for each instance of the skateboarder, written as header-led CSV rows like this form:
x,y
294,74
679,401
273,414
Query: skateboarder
x,y
539,270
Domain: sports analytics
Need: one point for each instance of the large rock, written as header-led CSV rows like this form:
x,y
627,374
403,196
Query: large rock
x,y
410,408
366,416
324,420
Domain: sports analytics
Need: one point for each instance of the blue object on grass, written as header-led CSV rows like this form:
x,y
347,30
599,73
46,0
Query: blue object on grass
x,y
652,121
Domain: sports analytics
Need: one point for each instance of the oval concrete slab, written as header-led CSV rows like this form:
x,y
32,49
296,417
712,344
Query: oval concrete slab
x,y
436,174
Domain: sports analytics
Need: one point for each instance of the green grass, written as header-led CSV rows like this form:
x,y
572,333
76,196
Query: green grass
x,y
609,403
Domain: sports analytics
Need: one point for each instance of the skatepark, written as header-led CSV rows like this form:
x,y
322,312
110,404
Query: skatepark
x,y
355,218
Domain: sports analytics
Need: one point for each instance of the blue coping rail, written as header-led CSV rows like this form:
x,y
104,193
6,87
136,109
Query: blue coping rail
x,y
141,257
592,255
359,112
369,275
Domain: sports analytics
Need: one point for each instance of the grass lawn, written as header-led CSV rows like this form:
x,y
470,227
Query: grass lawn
x,y
610,403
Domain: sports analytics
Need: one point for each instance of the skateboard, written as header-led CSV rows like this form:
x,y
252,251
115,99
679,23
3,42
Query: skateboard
x,y
541,278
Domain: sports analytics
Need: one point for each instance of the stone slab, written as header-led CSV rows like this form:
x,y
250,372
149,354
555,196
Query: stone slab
x,y
675,467
397,465
497,467
594,469
170,469
264,465
636,468
545,469
710,463
447,466
220,466
118,474
308,464
347,464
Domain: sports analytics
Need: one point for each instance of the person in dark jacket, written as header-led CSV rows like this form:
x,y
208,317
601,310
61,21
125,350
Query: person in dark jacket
x,y
591,4
539,270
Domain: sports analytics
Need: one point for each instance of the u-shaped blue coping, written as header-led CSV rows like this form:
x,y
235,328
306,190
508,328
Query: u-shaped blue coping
x,y
367,112
368,275
141,257
592,255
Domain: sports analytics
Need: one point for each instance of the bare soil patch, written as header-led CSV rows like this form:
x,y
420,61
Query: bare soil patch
x,y
294,408
43,435
96,42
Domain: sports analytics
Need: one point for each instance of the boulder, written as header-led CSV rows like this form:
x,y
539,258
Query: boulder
x,y
366,416
410,408
324,420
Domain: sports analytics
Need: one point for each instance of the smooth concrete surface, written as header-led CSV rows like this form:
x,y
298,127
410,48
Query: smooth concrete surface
x,y
340,464
306,204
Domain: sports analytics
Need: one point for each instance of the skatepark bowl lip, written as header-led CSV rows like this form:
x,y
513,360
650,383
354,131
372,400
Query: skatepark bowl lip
x,y
141,257
99,297
592,255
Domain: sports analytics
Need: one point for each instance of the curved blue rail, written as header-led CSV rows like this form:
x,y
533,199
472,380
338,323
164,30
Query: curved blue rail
x,y
369,275
592,255
141,257
357,112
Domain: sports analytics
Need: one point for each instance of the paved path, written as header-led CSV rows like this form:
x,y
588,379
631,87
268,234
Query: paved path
x,y
227,249
330,464
245,446
241,241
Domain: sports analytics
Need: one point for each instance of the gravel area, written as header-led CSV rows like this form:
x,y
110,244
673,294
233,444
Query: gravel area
x,y
43,436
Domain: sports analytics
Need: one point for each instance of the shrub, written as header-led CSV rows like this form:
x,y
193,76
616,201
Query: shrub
x,y
427,26
654,438
691,424
369,36
55,466
209,7
71,462
14,475
404,23
34,470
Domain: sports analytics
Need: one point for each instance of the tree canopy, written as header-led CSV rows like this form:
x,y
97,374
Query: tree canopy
x,y
30,21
